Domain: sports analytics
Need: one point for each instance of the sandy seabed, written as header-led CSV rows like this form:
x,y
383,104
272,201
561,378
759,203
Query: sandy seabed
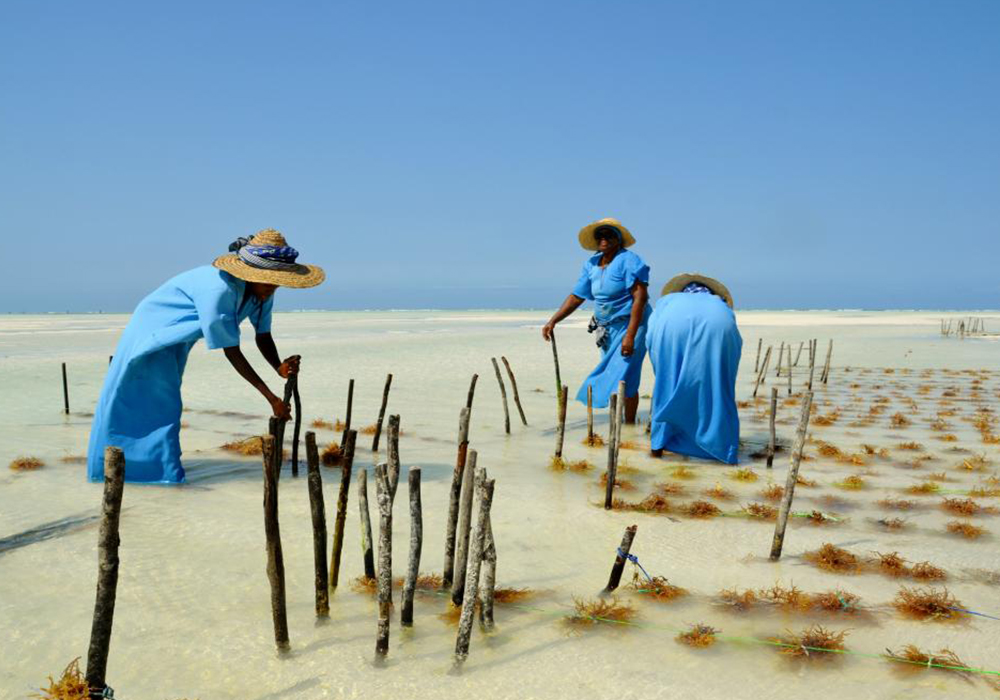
x,y
193,617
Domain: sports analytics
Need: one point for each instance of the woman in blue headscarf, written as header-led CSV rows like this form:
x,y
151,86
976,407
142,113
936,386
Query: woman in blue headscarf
x,y
695,348
140,406
615,279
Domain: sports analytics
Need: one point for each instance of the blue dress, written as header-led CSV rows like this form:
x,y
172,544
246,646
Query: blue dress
x,y
610,288
695,348
140,405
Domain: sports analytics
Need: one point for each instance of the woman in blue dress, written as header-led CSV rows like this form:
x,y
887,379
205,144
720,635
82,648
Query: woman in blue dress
x,y
695,348
140,405
616,280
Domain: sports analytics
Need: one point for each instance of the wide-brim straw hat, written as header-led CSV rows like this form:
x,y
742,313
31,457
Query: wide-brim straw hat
x,y
678,283
587,234
292,274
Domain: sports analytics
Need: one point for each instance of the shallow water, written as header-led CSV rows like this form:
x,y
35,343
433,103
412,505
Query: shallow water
x,y
193,619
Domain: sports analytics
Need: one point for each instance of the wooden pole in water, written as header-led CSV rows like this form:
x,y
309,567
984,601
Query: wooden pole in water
x,y
346,465
756,363
488,587
381,412
620,419
798,354
416,544
621,556
513,384
771,439
296,428
612,451
395,465
65,391
826,366
350,405
464,526
812,364
781,356
789,370
383,494
763,371
472,392
367,553
107,571
561,428
317,508
555,358
485,499
451,525
793,476
590,414
503,395
272,534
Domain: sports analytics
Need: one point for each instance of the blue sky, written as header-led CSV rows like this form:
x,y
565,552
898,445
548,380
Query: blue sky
x,y
810,154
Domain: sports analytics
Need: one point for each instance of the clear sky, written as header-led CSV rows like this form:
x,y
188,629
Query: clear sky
x,y
810,154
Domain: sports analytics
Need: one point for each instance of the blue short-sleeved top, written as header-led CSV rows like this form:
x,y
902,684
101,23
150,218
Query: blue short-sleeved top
x,y
610,287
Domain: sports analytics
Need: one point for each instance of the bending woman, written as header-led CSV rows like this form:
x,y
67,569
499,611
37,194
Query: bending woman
x,y
695,347
140,405
616,280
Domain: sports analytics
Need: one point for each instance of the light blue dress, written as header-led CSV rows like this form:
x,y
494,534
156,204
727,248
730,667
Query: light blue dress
x,y
695,348
610,288
140,405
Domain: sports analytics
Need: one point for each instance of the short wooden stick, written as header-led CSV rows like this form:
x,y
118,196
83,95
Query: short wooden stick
x,y
792,479
555,359
346,465
789,370
350,406
513,384
799,353
472,392
381,412
487,589
771,439
620,419
464,526
503,396
756,363
781,356
612,451
317,508
416,544
621,556
367,553
454,500
763,371
272,534
826,366
296,428
384,587
107,571
590,414
65,390
812,364
485,499
561,428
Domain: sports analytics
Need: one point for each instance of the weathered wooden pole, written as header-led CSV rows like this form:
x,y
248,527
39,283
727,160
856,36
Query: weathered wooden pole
x,y
756,363
464,526
503,395
297,427
781,356
472,392
488,587
612,450
485,499
590,414
107,571
826,366
555,358
621,556
451,525
317,508
771,439
793,476
812,364
394,466
272,534
513,384
65,391
383,495
763,371
620,420
346,465
799,353
367,552
350,405
416,544
381,412
789,370
561,428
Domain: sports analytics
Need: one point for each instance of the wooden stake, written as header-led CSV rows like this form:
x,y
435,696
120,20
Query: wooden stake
x,y
472,392
453,504
296,428
621,417
383,495
488,587
756,363
612,451
275,558
503,395
561,428
781,356
763,371
416,543
350,405
513,384
621,556
812,364
798,354
367,554
792,479
346,464
393,455
774,410
65,391
555,358
317,508
464,525
107,570
789,370
381,412
590,414
485,492
826,367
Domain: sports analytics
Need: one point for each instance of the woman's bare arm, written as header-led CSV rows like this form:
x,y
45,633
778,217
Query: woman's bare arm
x,y
640,296
242,366
571,304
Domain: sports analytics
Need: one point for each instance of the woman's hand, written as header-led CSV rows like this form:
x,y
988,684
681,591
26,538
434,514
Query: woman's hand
x,y
547,330
289,366
628,344
279,408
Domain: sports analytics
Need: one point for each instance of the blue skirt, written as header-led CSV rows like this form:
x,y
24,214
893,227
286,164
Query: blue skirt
x,y
614,367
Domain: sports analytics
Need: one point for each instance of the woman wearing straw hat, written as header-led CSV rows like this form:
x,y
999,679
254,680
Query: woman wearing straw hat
x,y
615,279
140,405
695,347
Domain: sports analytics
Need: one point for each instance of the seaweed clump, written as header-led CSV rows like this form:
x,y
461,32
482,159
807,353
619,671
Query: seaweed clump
x,y
594,440
853,482
332,455
72,685
761,511
590,612
653,503
773,492
965,506
739,600
700,636
701,509
943,659
897,504
718,491
560,464
623,484
966,530
832,558
658,588
813,639
26,464
744,474
927,603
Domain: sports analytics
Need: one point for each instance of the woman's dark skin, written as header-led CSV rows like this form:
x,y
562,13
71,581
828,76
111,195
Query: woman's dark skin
x,y
609,247
265,343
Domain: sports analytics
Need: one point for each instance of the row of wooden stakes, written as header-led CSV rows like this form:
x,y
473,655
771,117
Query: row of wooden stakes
x,y
760,370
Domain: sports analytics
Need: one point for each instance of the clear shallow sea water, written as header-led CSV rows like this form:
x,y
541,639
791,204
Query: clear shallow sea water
x,y
193,616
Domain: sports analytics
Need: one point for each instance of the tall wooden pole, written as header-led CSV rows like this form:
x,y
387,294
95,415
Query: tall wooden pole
x,y
561,428
472,392
789,370
503,395
485,492
272,534
555,359
790,481
513,384
416,544
826,366
763,371
367,551
346,465
771,440
756,363
65,390
612,451
488,586
317,508
451,525
812,364
350,406
381,412
798,354
107,571
464,526
296,428
781,356
384,496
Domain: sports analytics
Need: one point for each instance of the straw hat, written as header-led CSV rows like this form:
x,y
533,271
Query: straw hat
x,y
268,259
587,234
678,283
